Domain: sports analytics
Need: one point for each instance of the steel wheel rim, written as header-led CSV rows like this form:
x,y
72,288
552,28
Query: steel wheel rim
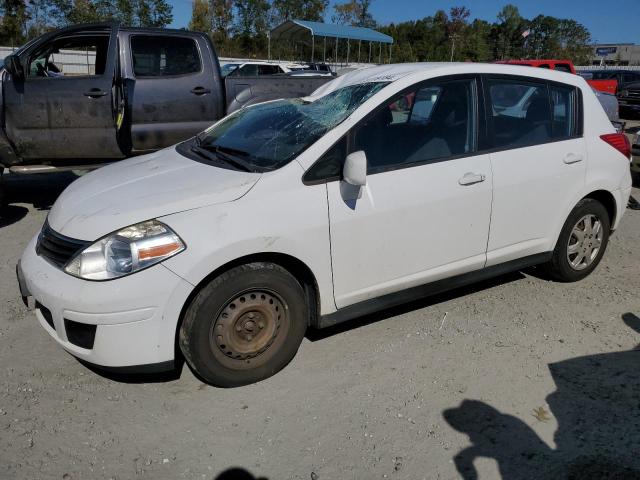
x,y
247,326
585,242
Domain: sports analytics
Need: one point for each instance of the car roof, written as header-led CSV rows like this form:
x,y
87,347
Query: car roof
x,y
422,71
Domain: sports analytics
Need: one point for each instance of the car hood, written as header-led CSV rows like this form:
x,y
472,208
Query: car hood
x,y
140,189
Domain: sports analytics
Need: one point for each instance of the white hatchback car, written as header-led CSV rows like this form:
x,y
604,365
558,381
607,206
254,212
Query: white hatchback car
x,y
387,184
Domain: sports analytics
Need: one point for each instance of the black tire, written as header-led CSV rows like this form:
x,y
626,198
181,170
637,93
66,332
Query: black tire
x,y
2,193
560,268
244,325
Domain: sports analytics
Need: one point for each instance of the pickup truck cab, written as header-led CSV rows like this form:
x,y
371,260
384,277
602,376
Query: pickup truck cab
x,y
127,91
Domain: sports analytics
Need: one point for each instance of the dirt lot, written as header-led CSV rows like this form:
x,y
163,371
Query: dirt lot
x,y
520,375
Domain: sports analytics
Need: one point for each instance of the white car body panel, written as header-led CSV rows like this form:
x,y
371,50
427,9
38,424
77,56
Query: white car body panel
x,y
225,234
449,228
528,186
142,188
409,226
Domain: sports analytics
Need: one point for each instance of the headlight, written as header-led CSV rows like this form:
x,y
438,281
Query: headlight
x,y
126,251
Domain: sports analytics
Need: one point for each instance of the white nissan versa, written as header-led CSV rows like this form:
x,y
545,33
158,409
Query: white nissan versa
x,y
387,184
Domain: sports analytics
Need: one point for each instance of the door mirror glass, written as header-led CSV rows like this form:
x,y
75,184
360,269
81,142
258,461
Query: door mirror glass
x,y
13,66
355,169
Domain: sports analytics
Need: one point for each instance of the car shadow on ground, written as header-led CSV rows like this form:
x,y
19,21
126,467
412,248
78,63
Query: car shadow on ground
x,y
320,334
40,190
238,473
138,377
597,407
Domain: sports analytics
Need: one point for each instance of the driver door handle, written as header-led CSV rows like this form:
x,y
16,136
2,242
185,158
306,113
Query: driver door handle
x,y
95,93
200,91
471,178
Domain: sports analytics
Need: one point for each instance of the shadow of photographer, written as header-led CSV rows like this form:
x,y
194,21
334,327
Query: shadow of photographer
x,y
597,406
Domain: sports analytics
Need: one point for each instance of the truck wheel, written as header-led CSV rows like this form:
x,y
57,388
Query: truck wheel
x,y
582,242
245,325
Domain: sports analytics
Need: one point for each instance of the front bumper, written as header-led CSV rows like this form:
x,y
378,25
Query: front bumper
x,y
629,104
135,317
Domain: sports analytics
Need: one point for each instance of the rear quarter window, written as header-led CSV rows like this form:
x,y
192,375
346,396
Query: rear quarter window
x,y
160,56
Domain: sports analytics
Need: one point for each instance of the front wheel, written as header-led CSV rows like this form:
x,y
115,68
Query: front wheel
x,y
245,325
582,243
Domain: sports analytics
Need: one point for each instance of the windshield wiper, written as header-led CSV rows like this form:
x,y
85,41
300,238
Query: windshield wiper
x,y
214,155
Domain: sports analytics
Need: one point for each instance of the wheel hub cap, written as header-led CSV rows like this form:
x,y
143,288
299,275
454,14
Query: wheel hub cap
x,y
248,324
585,242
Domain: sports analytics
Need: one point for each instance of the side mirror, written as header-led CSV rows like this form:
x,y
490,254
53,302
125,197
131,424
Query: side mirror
x,y
354,171
13,66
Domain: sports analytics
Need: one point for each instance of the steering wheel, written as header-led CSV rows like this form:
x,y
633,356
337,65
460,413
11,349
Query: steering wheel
x,y
42,72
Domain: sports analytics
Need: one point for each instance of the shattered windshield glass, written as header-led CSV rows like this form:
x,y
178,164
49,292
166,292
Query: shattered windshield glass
x,y
269,135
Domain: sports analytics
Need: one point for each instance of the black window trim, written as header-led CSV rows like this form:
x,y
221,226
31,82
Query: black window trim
x,y
478,112
171,35
578,110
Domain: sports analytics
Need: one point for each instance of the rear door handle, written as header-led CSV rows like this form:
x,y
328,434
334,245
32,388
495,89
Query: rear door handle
x,y
200,91
572,158
95,93
471,178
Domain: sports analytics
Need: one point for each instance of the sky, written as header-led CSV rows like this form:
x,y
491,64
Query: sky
x,y
617,22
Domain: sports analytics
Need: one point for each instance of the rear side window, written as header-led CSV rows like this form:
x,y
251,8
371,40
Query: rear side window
x,y
526,113
159,56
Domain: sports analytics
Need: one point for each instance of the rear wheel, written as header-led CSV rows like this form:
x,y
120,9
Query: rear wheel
x,y
245,325
582,242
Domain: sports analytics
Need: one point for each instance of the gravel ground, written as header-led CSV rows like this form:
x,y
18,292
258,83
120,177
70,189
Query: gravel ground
x,y
518,377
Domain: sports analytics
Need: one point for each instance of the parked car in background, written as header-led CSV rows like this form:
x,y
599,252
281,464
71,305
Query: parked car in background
x,y
312,69
622,77
629,99
377,189
145,89
256,69
635,150
603,85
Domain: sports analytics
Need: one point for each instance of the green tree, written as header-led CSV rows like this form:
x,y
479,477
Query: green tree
x,y
251,25
13,19
200,16
139,13
457,26
300,9
354,12
508,40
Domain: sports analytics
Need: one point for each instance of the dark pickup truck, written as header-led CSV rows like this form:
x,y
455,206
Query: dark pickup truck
x,y
132,91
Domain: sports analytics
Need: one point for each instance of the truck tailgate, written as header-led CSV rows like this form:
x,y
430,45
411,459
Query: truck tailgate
x,y
606,86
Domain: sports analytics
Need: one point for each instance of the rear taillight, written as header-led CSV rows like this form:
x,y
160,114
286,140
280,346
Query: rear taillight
x,y
620,142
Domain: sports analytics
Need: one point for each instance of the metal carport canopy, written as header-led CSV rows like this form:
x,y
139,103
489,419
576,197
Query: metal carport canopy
x,y
298,29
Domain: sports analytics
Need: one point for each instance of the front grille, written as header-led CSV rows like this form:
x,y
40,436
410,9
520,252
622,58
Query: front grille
x,y
633,93
57,248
